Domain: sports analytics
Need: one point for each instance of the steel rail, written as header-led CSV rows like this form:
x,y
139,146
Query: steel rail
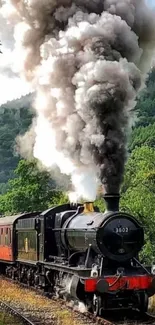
x,y
147,318
17,313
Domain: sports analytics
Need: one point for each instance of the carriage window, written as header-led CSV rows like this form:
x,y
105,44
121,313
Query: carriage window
x,y
1,236
10,236
7,239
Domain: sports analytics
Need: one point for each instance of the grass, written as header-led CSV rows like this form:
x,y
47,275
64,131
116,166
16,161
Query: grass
x,y
31,301
6,319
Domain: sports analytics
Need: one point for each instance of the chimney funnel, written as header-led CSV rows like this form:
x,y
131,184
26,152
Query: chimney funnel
x,y
112,202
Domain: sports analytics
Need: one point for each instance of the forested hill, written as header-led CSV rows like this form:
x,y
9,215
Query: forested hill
x,y
146,102
15,118
144,130
138,189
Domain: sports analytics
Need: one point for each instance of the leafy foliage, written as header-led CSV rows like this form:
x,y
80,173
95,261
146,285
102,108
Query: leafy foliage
x,y
138,191
15,118
100,204
30,190
143,136
146,104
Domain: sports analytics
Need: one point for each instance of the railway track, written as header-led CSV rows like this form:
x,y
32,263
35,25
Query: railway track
x,y
82,318
89,318
133,317
150,318
18,313
86,317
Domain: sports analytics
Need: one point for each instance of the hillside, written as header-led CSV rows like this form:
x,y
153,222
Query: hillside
x,y
146,103
15,118
138,188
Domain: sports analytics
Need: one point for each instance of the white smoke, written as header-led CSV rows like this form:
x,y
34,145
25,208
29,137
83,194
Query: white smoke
x,y
78,306
12,86
86,60
74,304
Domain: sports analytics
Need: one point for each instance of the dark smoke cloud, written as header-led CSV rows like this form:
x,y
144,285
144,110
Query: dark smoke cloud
x,y
87,61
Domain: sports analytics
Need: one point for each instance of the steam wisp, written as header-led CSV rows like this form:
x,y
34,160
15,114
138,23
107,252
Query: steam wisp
x,y
87,61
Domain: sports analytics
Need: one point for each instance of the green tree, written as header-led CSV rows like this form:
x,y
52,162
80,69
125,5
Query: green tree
x,y
146,102
138,193
30,190
100,203
142,136
15,119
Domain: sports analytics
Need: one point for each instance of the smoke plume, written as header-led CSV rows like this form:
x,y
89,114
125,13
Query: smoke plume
x,y
9,77
87,61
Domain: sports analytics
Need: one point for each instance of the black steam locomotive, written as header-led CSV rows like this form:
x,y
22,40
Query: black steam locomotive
x,y
80,253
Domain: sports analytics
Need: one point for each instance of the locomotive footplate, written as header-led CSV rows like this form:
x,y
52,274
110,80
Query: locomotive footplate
x,y
80,271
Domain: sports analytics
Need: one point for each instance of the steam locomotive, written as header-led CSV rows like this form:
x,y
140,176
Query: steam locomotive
x,y
80,253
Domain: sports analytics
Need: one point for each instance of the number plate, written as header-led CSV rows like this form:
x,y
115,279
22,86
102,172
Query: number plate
x,y
121,230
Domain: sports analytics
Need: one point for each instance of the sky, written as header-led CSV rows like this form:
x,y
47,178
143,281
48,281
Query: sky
x,y
11,85
151,2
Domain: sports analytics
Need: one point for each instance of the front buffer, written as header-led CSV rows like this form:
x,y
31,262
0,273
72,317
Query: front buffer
x,y
119,292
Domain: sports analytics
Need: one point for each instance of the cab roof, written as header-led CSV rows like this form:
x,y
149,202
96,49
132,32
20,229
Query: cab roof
x,y
10,220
